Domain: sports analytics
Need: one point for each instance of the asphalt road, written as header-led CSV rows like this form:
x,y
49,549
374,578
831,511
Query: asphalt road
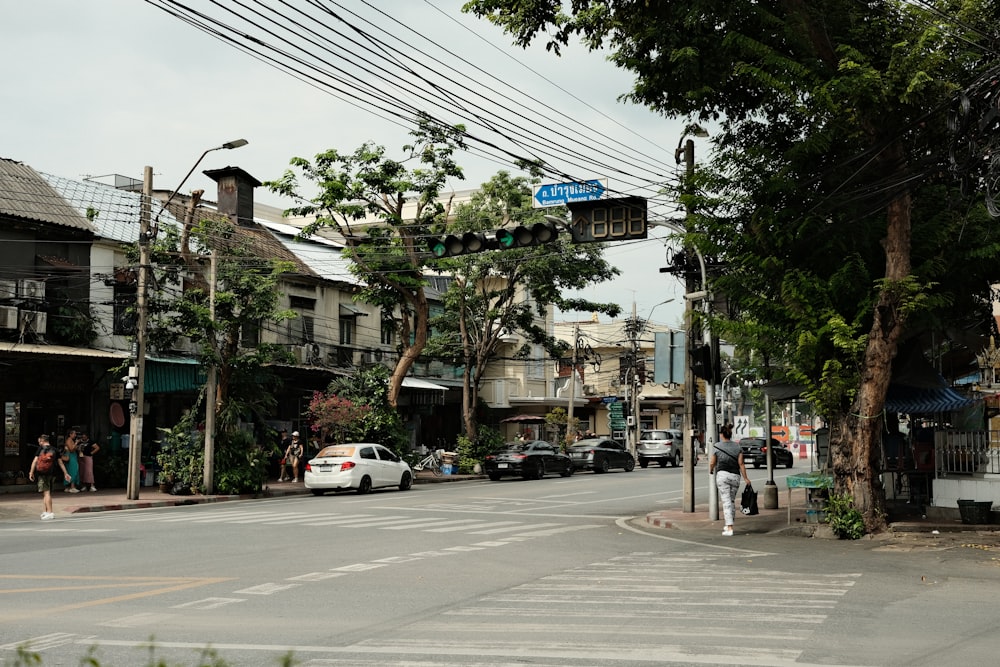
x,y
549,572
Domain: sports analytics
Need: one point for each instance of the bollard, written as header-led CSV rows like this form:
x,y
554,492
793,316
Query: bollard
x,y
770,496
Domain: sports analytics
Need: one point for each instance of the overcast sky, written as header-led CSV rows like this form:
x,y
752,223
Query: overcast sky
x,y
109,86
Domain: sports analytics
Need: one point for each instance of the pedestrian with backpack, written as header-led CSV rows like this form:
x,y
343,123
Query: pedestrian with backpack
x,y
44,468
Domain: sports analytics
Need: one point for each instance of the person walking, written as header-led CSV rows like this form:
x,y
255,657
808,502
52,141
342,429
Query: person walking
x,y
726,463
70,457
283,442
293,453
87,449
44,468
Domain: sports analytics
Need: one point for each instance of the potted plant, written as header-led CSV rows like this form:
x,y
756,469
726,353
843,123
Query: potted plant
x,y
181,456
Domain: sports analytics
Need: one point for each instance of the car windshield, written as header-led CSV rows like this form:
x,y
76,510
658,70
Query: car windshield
x,y
655,435
515,446
589,442
336,452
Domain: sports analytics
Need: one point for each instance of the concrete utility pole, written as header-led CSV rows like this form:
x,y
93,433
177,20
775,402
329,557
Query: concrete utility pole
x,y
137,373
570,423
690,387
211,388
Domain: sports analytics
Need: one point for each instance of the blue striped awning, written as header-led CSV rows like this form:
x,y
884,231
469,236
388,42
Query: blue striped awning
x,y
924,400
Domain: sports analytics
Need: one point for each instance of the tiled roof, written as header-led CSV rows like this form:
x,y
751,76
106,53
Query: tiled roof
x,y
26,195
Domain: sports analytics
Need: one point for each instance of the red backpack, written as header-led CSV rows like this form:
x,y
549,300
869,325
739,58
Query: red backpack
x,y
46,460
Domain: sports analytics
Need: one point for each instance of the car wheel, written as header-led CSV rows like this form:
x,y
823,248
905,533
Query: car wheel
x,y
629,464
494,476
317,492
675,461
568,472
643,463
365,486
791,460
406,482
603,466
663,463
756,465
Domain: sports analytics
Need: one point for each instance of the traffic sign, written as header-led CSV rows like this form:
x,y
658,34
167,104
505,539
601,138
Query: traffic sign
x,y
741,429
559,194
609,399
619,219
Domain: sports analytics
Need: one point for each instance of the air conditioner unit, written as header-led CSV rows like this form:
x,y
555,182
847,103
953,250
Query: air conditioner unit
x,y
367,356
589,390
31,289
8,317
8,289
33,321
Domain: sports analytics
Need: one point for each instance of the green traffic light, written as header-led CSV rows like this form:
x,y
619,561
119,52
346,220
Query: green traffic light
x,y
438,248
505,239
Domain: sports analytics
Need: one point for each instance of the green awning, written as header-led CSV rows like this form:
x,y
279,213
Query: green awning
x,y
167,376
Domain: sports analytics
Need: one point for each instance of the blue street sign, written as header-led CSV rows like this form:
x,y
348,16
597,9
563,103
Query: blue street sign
x,y
609,399
558,194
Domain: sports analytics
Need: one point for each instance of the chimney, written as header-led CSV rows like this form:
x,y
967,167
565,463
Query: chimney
x,y
235,197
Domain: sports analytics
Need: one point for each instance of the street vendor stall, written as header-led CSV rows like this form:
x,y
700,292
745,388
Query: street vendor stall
x,y
809,481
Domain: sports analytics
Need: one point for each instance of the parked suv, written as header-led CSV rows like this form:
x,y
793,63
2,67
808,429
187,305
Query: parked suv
x,y
663,445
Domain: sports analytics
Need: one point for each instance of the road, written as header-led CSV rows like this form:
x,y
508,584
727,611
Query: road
x,y
548,572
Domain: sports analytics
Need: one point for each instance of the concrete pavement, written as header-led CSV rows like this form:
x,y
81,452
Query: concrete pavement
x,y
24,502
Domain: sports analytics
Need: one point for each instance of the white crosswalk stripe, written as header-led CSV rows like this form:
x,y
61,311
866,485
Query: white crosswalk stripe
x,y
426,521
641,608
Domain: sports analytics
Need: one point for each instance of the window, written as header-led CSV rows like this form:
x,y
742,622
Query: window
x,y
536,366
368,453
250,334
300,329
125,317
346,330
388,334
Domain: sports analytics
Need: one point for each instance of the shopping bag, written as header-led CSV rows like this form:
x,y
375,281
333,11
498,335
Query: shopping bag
x,y
748,502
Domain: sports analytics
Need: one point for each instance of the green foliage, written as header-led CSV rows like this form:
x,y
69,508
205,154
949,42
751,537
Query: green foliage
x,y
558,421
182,453
240,463
372,418
73,325
472,452
845,520
387,257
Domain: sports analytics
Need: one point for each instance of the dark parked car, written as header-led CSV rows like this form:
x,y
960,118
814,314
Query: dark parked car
x,y
662,445
530,460
755,453
600,455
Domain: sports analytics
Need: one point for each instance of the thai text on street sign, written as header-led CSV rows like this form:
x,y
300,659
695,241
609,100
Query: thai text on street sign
x,y
560,194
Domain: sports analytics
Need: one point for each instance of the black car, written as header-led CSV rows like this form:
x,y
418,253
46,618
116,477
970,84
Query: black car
x,y
600,455
530,460
755,453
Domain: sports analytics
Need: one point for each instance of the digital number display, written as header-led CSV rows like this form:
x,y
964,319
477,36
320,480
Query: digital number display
x,y
609,220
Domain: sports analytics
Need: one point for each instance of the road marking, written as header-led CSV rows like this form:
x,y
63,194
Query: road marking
x,y
266,589
483,524
43,642
317,576
207,603
137,620
510,529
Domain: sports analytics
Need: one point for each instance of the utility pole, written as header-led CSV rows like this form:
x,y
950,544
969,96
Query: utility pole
x,y
210,387
570,422
137,373
690,451
633,406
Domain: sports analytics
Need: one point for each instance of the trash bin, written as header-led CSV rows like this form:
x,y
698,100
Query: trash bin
x,y
974,512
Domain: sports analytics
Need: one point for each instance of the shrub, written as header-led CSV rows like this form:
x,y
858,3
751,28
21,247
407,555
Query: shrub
x,y
845,519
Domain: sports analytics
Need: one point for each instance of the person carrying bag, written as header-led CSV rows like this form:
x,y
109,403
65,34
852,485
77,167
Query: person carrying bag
x,y
748,501
727,459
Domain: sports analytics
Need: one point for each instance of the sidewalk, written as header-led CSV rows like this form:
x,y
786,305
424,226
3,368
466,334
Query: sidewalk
x,y
22,501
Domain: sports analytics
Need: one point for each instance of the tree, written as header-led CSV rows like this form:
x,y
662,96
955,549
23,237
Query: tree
x,y
833,128
246,299
362,196
486,300
357,407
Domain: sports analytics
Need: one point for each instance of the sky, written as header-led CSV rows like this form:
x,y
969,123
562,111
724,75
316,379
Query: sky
x,y
110,86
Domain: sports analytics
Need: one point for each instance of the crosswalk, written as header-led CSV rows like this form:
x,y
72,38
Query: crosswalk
x,y
640,608
424,521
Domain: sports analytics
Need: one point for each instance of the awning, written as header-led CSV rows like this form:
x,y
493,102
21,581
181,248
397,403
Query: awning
x,y
525,419
414,383
167,376
62,351
348,310
924,400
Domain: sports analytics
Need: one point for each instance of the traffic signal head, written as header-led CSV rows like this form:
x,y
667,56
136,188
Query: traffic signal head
x,y
521,236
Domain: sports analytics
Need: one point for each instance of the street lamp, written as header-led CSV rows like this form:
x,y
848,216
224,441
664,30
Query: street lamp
x,y
137,373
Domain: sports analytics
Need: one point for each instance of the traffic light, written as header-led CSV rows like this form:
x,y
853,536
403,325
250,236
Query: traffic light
x,y
701,361
468,243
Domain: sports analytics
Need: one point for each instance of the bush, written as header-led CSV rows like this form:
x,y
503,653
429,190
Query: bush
x,y
470,453
845,519
240,463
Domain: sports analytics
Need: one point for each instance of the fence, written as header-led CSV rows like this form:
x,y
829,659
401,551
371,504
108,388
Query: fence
x,y
966,452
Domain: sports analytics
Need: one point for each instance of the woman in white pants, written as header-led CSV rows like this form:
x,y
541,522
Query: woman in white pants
x,y
726,463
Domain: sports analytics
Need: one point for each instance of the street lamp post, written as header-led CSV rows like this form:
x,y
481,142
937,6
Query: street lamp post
x,y
137,372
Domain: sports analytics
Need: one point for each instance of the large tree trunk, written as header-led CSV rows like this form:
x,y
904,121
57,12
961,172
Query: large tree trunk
x,y
410,352
854,440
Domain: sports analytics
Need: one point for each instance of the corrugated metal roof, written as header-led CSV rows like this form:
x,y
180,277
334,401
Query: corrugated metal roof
x,y
323,256
26,195
116,211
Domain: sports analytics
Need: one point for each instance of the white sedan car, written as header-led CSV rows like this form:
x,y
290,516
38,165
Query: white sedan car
x,y
356,465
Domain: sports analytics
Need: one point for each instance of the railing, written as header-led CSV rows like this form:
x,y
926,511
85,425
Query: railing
x,y
966,452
